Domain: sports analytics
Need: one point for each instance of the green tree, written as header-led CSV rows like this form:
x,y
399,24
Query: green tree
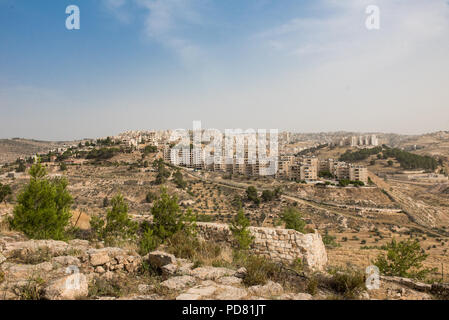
x,y
239,228
179,180
162,172
167,216
236,202
293,219
149,149
267,195
150,197
63,166
43,208
118,226
21,167
251,194
148,241
403,259
5,191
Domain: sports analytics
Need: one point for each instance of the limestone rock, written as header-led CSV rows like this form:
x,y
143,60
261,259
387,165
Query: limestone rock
x,y
23,248
71,287
211,273
230,293
178,283
241,273
160,258
169,269
188,296
144,288
15,272
230,280
270,289
296,296
98,257
66,261
203,291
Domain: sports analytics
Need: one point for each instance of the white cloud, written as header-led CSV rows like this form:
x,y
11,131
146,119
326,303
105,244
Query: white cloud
x,y
117,8
166,22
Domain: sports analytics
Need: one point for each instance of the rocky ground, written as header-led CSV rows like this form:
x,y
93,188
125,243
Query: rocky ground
x,y
56,270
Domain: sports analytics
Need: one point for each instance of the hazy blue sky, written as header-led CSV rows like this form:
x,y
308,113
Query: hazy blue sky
x,y
287,64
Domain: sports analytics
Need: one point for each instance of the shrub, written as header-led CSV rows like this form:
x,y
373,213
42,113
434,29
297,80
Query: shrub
x,y
259,270
237,202
329,241
105,202
251,194
403,259
63,166
348,281
293,219
118,226
32,290
162,173
148,241
179,180
21,167
185,245
100,287
43,209
239,228
149,149
150,197
167,216
325,174
267,195
5,192
102,154
312,285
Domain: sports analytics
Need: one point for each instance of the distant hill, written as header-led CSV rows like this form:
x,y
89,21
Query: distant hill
x,y
11,149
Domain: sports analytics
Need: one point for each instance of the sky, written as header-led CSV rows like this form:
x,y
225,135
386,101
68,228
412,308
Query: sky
x,y
308,66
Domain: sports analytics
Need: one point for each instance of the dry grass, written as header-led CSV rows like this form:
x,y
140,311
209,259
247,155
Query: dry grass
x,y
186,246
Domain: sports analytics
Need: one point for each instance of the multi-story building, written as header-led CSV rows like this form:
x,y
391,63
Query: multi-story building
x,y
358,173
308,173
287,167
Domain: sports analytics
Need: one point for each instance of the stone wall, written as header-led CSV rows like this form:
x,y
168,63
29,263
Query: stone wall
x,y
277,244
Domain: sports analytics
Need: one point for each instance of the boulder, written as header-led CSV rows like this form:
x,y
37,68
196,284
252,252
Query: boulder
x,y
178,283
16,272
169,269
71,287
241,273
159,258
98,257
230,280
211,273
296,296
188,296
23,248
230,293
270,289
203,291
66,261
